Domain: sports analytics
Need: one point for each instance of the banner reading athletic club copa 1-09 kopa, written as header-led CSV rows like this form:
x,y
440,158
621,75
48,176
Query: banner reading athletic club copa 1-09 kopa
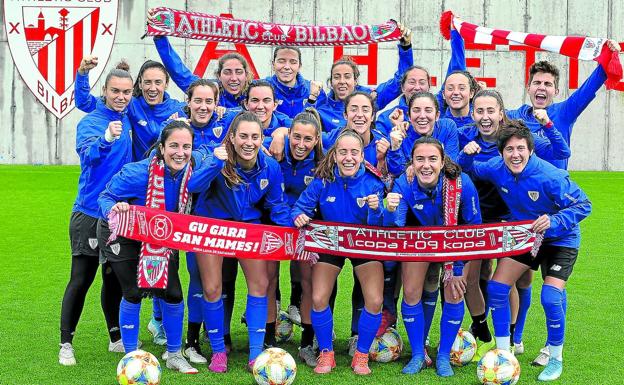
x,y
48,40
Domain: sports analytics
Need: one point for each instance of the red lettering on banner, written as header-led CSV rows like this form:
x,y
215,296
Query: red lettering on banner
x,y
14,27
369,60
211,53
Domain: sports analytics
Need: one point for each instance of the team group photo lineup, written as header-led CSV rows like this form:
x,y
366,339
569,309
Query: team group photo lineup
x,y
219,164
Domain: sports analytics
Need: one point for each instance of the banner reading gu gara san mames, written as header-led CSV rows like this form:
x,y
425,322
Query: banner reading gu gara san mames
x,y
48,40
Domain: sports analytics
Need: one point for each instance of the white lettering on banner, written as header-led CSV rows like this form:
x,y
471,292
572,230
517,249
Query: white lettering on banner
x,y
226,244
191,239
223,231
393,234
467,233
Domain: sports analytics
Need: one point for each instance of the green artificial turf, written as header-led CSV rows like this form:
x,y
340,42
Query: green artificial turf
x,y
35,206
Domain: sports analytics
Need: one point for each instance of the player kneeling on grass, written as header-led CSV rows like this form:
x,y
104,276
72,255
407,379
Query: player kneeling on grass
x,y
424,197
133,185
534,189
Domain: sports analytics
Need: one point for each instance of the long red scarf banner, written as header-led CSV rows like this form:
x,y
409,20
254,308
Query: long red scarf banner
x,y
255,241
578,47
195,25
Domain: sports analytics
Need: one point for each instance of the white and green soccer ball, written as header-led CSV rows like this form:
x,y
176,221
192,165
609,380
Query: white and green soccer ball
x,y
498,367
274,366
138,368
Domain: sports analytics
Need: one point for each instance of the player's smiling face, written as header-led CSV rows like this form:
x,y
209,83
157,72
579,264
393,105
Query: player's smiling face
x,y
423,115
342,81
427,161
247,141
457,92
177,149
202,104
286,66
117,93
153,85
261,102
359,114
349,155
233,77
487,115
542,89
516,154
302,139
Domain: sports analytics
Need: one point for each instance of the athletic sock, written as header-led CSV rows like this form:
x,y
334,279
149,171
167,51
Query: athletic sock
x,y
323,324
213,315
556,351
480,328
192,334
452,316
129,323
524,303
357,304
498,296
512,328
228,292
367,328
269,336
552,301
390,279
414,321
307,335
256,313
429,302
295,294
173,320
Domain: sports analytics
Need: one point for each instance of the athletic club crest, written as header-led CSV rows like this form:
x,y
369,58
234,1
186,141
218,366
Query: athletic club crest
x,y
361,202
271,242
48,41
534,195
217,131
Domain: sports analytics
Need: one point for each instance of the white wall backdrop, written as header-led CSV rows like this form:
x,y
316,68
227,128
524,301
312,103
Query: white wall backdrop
x,y
29,134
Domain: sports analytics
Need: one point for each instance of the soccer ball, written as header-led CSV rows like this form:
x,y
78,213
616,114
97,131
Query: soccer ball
x,y
138,368
498,367
274,366
463,349
283,328
387,347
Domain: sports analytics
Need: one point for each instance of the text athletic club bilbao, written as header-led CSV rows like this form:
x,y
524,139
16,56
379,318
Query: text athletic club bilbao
x,y
419,240
251,30
215,236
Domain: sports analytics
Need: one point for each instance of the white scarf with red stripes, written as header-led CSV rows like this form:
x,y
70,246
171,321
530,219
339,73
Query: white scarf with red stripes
x,y
578,47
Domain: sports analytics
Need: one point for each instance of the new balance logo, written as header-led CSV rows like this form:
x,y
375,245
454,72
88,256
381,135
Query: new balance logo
x,y
555,268
331,199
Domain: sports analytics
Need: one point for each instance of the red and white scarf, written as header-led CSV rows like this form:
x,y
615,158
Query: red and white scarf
x,y
578,47
153,269
196,25
451,199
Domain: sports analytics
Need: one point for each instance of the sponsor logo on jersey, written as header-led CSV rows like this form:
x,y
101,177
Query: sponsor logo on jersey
x,y
534,195
48,40
263,183
93,243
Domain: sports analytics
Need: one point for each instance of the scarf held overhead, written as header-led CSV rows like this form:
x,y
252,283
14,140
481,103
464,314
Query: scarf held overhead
x,y
255,241
195,25
578,47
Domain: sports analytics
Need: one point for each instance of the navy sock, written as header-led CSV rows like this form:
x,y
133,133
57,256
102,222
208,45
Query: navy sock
x,y
129,324
414,321
213,316
256,313
323,324
156,309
